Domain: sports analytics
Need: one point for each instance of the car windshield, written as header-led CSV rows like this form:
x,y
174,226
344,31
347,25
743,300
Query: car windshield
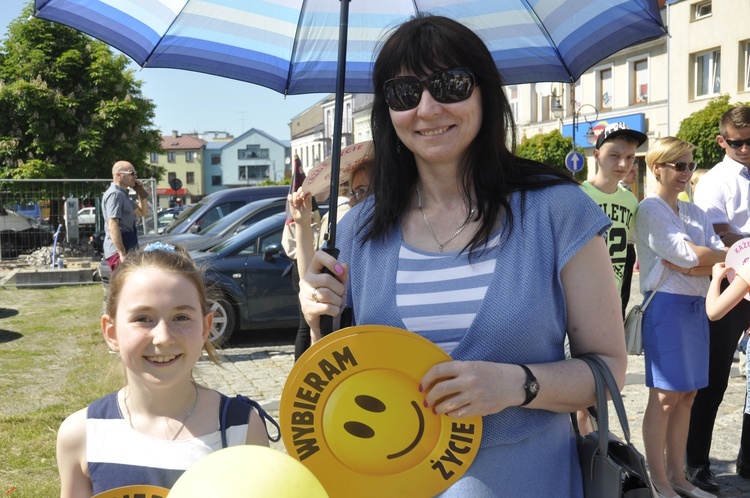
x,y
223,223
183,218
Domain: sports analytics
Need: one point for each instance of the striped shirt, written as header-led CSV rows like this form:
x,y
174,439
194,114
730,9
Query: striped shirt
x,y
439,294
118,455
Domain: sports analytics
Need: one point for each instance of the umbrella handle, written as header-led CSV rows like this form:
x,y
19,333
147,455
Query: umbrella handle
x,y
326,321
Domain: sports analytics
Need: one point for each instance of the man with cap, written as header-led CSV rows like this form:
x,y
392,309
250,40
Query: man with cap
x,y
615,157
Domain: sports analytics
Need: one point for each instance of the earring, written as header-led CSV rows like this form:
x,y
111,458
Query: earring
x,y
398,145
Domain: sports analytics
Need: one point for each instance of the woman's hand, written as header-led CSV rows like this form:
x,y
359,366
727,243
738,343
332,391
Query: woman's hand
x,y
719,271
322,293
463,389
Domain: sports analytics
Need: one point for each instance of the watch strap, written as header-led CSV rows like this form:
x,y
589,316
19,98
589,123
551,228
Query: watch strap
x,y
531,386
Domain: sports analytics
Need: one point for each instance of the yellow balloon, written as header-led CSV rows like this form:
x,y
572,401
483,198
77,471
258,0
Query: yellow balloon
x,y
247,471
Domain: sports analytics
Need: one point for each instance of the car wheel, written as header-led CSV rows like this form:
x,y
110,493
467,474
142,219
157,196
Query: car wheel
x,y
8,248
224,321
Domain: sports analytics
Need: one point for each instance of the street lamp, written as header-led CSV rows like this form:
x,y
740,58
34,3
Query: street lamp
x,y
590,135
556,106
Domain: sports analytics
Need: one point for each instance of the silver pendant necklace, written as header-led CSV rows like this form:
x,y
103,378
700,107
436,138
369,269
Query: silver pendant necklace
x,y
184,420
429,227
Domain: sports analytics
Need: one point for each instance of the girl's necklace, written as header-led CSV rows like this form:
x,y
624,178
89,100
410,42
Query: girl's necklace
x,y
429,227
184,420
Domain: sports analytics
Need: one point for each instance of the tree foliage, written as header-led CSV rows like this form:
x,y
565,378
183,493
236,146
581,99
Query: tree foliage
x,y
69,107
550,149
701,128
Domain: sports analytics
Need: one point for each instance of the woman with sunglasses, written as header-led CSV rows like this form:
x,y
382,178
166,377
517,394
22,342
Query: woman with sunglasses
x,y
490,256
670,232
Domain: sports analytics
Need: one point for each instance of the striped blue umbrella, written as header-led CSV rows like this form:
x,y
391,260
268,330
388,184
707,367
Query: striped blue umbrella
x,y
321,46
291,46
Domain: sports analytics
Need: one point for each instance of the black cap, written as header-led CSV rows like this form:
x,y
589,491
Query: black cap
x,y
617,130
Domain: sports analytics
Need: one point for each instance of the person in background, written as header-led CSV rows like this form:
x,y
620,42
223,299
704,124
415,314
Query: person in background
x,y
179,205
687,195
628,183
120,212
615,157
447,245
294,245
149,432
724,194
675,326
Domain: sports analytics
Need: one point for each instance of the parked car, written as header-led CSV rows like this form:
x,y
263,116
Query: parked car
x,y
87,216
164,218
28,208
219,204
20,233
229,225
246,273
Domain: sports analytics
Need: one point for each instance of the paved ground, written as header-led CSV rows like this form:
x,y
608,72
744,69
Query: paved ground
x,y
260,370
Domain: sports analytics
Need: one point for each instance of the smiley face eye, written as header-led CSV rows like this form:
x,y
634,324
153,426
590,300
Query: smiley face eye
x,y
360,430
369,403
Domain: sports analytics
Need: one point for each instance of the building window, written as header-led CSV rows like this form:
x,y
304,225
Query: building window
x,y
747,65
215,180
154,157
189,156
252,151
605,89
640,82
215,158
708,73
513,100
171,176
190,177
171,157
701,10
242,173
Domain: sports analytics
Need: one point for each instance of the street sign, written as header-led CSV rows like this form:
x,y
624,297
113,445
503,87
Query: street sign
x,y
175,183
574,161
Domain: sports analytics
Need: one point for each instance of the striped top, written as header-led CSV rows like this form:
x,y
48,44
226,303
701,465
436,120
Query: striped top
x,y
439,294
118,455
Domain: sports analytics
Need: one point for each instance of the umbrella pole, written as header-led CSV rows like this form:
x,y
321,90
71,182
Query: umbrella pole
x,y
326,322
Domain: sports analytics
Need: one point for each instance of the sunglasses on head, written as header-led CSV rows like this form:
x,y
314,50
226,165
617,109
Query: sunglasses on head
x,y
737,144
446,86
680,167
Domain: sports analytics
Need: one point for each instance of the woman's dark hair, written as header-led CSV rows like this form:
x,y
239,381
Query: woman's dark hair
x,y
423,45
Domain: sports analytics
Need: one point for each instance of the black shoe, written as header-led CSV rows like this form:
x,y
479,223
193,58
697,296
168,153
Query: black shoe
x,y
702,477
743,469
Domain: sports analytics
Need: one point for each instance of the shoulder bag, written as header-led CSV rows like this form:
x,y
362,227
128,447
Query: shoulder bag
x,y
633,332
611,468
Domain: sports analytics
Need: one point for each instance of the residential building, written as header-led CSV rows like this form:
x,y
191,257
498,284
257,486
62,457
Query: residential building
x,y
213,173
307,131
252,158
183,161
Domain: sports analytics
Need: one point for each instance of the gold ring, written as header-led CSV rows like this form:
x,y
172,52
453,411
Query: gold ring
x,y
315,295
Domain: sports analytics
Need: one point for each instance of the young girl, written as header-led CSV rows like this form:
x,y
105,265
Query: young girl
x,y
719,303
152,430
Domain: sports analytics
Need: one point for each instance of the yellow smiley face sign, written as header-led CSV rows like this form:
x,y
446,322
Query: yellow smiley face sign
x,y
352,413
137,490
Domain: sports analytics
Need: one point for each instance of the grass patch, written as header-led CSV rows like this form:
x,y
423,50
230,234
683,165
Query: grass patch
x,y
53,361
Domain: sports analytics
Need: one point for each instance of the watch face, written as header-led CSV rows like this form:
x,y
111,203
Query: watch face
x,y
534,387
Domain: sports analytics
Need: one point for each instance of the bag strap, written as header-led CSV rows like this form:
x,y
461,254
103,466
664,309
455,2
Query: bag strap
x,y
605,381
661,281
264,417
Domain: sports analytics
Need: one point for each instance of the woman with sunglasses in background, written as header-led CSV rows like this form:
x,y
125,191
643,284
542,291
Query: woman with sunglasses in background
x,y
673,233
490,256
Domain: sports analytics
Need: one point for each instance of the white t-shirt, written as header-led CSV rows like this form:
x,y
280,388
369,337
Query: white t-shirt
x,y
724,194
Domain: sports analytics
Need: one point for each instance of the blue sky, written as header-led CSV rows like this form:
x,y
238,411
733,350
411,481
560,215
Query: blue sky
x,y
188,102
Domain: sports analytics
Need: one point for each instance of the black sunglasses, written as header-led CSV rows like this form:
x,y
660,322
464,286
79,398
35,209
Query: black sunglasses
x,y
737,144
680,167
446,86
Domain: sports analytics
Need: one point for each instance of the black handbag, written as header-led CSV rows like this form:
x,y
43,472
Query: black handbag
x,y
611,468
